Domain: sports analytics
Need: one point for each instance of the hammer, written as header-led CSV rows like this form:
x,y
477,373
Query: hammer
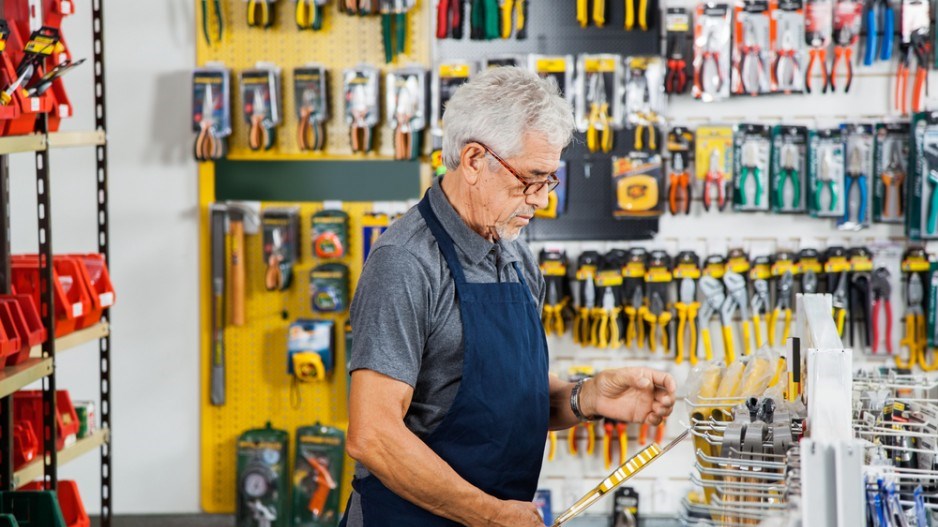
x,y
242,219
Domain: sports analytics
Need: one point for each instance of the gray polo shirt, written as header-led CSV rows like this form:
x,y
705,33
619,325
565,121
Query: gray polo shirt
x,y
405,315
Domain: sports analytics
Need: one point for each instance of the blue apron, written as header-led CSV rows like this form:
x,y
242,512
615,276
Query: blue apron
x,y
494,433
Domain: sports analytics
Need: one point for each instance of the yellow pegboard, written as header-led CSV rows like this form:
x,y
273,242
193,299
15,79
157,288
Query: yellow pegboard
x,y
344,41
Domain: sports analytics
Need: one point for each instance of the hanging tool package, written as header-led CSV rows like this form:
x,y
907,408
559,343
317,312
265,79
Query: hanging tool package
x,y
890,166
826,176
752,146
360,86
753,28
407,93
310,99
211,112
260,91
789,168
858,140
922,212
599,107
712,45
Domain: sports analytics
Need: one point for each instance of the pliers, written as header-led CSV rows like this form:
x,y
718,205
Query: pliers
x,y
406,145
817,53
308,15
360,133
581,320
789,172
736,291
750,168
782,305
872,31
839,303
260,13
634,312
679,191
713,295
207,144
449,18
855,175
750,57
915,339
605,331
657,316
786,56
572,441
843,48
716,178
675,79
759,303
207,22
882,295
687,307
552,317
630,14
309,133
613,428
260,137
393,28
917,46
860,306
826,178
710,53
599,130
893,180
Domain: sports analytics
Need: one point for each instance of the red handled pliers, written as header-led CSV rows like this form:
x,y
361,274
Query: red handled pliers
x,y
845,39
714,177
787,57
449,17
675,80
709,53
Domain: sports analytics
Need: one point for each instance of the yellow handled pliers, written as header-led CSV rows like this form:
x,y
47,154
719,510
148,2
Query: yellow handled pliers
x,y
782,305
507,8
581,320
658,317
839,302
308,15
759,303
552,317
605,333
714,297
259,13
599,127
736,298
916,338
687,308
635,328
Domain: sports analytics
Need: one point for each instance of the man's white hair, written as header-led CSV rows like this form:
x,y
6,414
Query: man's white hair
x,y
498,107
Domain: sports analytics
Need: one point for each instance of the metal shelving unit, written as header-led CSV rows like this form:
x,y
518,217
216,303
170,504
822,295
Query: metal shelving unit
x,y
41,365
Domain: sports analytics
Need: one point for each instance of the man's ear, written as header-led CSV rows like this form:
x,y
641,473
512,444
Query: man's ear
x,y
472,161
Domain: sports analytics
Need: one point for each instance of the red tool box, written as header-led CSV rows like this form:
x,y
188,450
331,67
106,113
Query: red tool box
x,y
72,297
28,325
73,510
27,406
25,444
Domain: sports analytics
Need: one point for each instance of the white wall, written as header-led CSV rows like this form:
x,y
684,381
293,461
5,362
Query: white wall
x,y
150,51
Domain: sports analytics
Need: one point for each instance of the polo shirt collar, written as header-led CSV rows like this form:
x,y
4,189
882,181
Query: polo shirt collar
x,y
471,243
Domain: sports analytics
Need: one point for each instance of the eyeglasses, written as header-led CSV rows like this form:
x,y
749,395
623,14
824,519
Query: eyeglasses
x,y
530,187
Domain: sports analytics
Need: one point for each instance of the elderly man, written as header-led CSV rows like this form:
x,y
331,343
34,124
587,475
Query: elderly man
x,y
451,399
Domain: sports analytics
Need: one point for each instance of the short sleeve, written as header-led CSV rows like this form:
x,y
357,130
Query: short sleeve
x,y
390,315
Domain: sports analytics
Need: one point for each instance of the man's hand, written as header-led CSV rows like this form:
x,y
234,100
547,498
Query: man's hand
x,y
634,395
515,514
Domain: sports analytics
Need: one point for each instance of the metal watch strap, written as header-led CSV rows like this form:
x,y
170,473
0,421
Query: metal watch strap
x,y
575,402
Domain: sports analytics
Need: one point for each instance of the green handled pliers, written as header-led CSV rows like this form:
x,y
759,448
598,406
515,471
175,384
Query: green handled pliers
x,y
788,172
826,177
750,167
206,21
484,21
393,28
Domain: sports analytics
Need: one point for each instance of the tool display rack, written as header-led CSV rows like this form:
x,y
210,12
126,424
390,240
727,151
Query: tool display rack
x,y
41,365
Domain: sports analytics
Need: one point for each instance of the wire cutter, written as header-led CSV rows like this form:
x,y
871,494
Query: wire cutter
x,y
572,441
860,304
207,144
613,428
709,54
872,31
714,177
687,307
309,133
736,290
634,311
679,191
759,303
393,28
915,333
713,295
817,54
552,317
750,62
843,48
308,15
787,68
260,13
893,179
750,168
826,178
260,137
882,294
839,303
675,79
581,321
918,46
605,331
599,131
788,173
657,316
855,175
782,305
207,22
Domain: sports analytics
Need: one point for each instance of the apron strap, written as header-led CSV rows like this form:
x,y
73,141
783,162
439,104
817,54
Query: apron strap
x,y
443,239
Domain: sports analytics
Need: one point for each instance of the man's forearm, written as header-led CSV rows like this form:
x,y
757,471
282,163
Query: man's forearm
x,y
561,414
409,468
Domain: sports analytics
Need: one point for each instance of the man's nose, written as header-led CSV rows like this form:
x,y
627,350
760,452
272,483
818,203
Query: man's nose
x,y
539,199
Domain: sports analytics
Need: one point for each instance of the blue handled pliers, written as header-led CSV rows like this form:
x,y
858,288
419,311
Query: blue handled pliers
x,y
855,175
873,29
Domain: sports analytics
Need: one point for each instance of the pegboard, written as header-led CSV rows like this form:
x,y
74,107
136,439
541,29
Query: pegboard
x,y
343,42
258,386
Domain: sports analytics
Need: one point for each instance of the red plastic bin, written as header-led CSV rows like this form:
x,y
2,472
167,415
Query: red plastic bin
x,y
73,510
27,406
98,281
27,323
25,444
72,300
9,336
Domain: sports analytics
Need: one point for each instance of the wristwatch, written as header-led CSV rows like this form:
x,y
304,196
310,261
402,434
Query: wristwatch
x,y
575,402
